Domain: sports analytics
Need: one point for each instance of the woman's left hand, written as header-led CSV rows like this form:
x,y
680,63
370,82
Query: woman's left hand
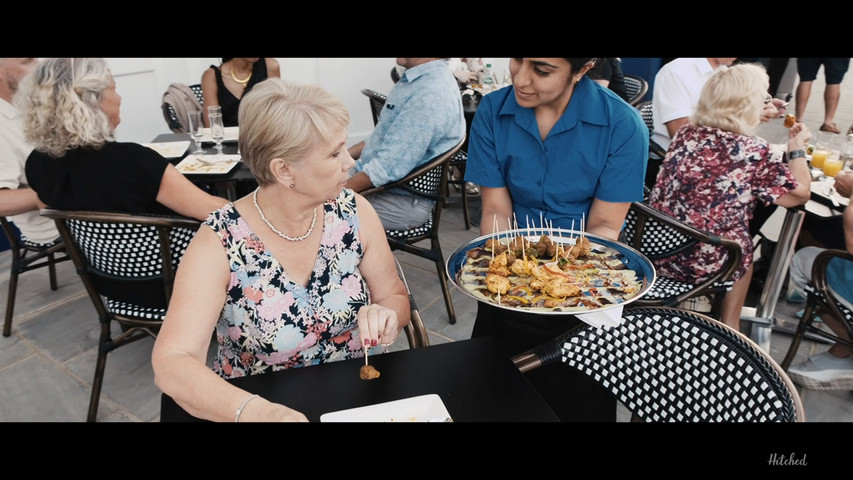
x,y
377,325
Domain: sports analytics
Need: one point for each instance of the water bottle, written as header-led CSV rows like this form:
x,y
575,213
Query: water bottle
x,y
489,78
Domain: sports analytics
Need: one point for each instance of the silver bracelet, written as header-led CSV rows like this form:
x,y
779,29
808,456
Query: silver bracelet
x,y
245,402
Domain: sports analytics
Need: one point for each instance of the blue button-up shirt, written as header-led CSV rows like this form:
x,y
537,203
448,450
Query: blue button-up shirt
x,y
597,149
422,119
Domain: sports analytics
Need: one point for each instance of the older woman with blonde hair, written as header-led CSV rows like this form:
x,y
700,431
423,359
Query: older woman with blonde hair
x,y
717,171
70,110
295,274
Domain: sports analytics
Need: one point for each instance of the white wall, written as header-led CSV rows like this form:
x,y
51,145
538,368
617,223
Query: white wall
x,y
142,81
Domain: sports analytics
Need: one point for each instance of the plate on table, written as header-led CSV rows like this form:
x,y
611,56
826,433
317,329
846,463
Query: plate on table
x,y
424,408
193,166
170,149
610,276
231,134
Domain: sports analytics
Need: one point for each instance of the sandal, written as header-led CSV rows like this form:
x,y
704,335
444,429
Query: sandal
x,y
829,128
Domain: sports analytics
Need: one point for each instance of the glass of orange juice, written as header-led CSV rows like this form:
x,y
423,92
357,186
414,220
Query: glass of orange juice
x,y
819,156
832,166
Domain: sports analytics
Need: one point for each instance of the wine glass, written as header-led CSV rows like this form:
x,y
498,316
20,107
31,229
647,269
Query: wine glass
x,y
217,131
196,131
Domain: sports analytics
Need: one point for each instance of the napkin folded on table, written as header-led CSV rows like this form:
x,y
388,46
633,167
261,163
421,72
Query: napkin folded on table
x,y
611,317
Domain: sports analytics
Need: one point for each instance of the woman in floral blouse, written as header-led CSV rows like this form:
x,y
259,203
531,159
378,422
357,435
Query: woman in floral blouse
x,y
295,274
716,171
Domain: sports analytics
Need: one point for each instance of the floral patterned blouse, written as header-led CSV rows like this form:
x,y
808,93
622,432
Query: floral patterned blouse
x,y
712,179
270,323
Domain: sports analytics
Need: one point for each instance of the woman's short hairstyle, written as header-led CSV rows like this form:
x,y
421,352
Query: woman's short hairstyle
x,y
61,105
733,98
280,119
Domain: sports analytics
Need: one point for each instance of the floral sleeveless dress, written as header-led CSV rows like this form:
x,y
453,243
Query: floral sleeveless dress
x,y
268,322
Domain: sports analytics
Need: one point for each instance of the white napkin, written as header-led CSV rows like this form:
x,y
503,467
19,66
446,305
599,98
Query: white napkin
x,y
611,317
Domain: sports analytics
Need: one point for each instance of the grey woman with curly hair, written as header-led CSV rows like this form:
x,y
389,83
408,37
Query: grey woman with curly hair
x,y
70,111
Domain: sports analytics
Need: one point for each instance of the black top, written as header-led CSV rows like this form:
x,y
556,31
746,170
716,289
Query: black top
x,y
120,177
611,69
231,104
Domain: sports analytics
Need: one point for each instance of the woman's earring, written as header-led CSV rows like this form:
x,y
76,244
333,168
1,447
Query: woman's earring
x,y
291,185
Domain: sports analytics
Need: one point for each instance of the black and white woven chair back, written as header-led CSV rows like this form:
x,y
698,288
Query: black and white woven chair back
x,y
127,251
426,185
671,365
660,240
821,297
377,103
636,88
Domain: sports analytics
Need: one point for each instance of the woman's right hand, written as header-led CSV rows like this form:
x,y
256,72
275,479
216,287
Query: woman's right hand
x,y
798,136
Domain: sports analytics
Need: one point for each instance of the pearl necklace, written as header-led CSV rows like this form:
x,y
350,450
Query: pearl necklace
x,y
280,234
243,82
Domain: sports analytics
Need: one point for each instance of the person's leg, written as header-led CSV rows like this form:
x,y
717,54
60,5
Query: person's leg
x,y
400,212
807,70
800,270
801,99
734,300
834,70
831,95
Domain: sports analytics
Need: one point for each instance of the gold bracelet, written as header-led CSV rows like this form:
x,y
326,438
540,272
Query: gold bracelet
x,y
245,402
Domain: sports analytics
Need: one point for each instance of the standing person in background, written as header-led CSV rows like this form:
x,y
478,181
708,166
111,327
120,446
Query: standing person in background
x,y
422,119
608,73
226,84
717,170
277,300
834,70
554,147
71,110
17,200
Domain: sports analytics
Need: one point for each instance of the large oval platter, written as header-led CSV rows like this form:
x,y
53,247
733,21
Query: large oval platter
x,y
471,280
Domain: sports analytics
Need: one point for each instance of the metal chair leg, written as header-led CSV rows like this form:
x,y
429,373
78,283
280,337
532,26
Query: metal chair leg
x,y
10,304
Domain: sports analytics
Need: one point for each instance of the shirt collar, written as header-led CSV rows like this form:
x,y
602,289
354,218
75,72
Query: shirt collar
x,y
586,105
7,109
411,74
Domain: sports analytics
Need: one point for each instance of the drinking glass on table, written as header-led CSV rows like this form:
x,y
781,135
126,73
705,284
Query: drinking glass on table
x,y
824,148
832,166
195,129
217,131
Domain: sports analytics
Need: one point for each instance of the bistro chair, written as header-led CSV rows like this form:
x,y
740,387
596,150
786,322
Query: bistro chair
x,y
377,103
26,256
416,332
172,117
659,236
636,88
821,301
427,181
118,255
458,161
656,152
672,365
